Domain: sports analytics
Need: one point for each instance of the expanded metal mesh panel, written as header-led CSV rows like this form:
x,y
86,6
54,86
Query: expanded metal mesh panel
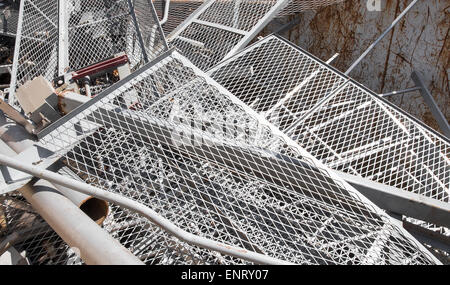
x,y
154,246
358,133
268,74
352,130
95,30
190,151
40,245
206,46
101,29
219,28
238,14
37,241
38,39
179,10
297,6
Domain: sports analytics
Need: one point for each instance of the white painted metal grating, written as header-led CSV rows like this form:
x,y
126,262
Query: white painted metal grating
x,y
219,29
344,125
9,17
198,156
91,31
36,43
180,10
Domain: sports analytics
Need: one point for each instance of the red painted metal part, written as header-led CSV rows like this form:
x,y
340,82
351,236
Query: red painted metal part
x,y
101,66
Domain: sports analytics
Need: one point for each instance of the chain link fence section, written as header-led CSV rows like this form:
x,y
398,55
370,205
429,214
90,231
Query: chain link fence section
x,y
171,155
341,123
95,31
180,10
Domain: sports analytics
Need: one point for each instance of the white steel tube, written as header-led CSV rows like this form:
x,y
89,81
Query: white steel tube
x,y
166,12
18,139
79,231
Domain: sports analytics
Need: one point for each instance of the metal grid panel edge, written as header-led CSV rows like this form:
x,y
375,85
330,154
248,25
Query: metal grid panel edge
x,y
225,188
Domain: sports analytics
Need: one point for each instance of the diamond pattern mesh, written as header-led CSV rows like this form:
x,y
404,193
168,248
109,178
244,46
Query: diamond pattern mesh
x,y
339,122
297,6
204,160
219,27
97,30
9,17
192,152
38,37
178,12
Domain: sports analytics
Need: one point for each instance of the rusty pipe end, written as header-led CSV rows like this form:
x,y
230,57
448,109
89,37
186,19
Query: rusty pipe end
x,y
95,208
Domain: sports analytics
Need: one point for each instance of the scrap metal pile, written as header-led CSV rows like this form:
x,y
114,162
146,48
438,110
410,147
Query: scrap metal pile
x,y
206,151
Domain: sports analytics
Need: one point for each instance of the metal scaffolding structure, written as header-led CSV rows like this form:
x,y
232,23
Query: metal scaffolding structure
x,y
209,152
341,123
337,120
173,12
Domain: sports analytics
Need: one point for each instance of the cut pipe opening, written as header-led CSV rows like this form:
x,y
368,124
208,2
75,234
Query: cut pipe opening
x,y
96,209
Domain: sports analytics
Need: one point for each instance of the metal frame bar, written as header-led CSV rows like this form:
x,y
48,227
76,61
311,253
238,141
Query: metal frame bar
x,y
272,13
63,37
138,31
219,26
178,30
158,23
427,236
428,98
400,201
298,87
394,23
166,12
409,90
